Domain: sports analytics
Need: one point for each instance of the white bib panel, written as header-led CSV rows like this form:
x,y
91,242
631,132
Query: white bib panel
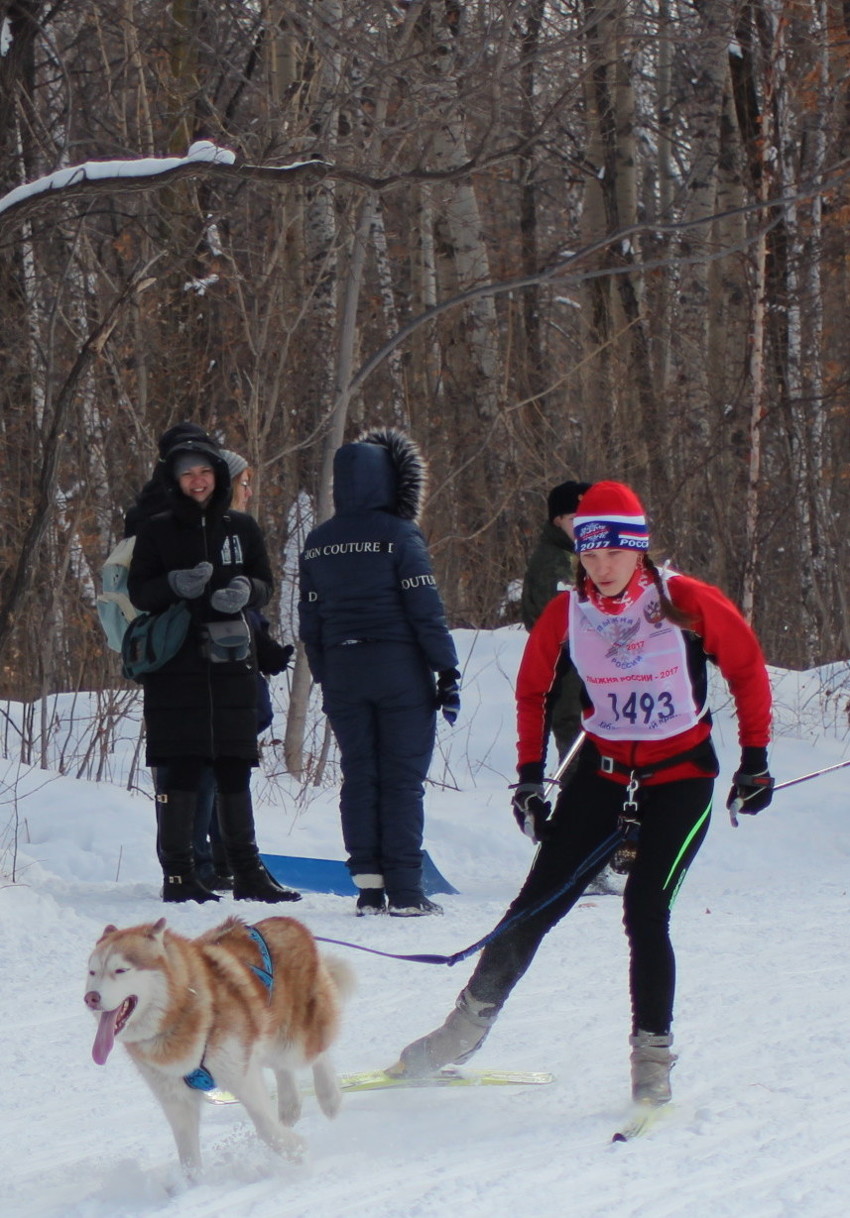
x,y
634,668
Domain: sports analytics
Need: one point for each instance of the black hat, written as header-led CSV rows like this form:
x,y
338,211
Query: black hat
x,y
563,499
178,434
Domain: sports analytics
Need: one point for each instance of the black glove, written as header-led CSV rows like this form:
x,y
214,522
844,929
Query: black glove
x,y
272,657
752,788
531,811
448,695
190,583
234,597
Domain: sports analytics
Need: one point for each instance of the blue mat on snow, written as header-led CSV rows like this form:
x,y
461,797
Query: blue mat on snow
x,y
332,875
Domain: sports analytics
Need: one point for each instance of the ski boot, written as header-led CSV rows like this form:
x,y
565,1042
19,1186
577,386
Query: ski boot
x,y
651,1062
462,1034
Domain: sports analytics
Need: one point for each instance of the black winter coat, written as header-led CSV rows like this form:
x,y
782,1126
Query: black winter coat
x,y
366,572
194,707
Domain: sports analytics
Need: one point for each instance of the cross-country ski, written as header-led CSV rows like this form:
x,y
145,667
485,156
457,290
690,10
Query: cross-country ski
x,y
380,1080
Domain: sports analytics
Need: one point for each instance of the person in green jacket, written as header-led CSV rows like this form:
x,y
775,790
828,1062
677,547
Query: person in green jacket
x,y
549,571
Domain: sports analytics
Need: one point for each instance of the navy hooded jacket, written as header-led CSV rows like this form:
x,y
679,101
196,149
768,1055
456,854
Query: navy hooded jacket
x,y
366,573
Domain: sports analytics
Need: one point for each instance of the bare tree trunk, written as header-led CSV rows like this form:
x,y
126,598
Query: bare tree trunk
x,y
697,394
534,374
757,382
463,229
809,407
730,353
618,305
321,251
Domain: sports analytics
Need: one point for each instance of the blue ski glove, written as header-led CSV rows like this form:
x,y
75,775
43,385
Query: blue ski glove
x,y
531,811
190,582
752,784
234,597
448,695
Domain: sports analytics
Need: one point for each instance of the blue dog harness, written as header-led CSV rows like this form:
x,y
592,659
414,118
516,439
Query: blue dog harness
x,y
201,1079
265,974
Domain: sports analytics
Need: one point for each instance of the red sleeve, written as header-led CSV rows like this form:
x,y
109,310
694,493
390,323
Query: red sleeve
x,y
730,641
535,678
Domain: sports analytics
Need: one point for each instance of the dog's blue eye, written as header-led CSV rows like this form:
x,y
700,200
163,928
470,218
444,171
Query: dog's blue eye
x,y
120,970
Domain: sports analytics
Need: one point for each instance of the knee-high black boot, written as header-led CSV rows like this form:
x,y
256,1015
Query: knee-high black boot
x,y
251,881
175,817
223,879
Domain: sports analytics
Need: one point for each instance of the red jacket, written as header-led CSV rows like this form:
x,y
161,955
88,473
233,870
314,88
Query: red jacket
x,y
719,632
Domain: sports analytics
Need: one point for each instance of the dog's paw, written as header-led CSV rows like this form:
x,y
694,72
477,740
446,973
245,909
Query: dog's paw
x,y
326,1085
329,1095
291,1146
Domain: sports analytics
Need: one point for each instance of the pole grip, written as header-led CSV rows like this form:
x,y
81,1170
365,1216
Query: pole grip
x,y
734,808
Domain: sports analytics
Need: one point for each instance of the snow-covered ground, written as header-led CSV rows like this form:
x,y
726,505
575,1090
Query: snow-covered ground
x,y
760,1124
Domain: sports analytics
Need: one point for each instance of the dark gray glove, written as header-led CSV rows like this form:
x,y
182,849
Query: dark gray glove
x,y
190,582
531,811
752,784
234,597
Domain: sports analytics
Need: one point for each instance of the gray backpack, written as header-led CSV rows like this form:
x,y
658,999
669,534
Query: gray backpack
x,y
113,605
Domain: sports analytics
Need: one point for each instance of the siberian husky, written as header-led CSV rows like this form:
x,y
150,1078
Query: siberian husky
x,y
213,1011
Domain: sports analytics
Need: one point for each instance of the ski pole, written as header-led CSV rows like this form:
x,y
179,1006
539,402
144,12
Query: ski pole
x,y
792,782
563,766
738,804
564,763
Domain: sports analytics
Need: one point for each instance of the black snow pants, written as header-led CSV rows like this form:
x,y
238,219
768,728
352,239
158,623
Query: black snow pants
x,y
674,818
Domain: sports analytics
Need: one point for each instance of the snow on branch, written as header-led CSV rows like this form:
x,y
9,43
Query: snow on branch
x,y
205,159
97,177
94,171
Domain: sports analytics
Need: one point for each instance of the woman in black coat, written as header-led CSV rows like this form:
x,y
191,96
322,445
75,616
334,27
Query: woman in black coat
x,y
201,707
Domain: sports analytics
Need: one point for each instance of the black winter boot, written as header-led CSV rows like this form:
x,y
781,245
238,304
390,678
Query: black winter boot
x,y
223,877
251,881
371,901
175,815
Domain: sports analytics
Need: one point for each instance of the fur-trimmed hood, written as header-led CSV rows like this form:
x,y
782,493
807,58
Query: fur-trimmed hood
x,y
382,470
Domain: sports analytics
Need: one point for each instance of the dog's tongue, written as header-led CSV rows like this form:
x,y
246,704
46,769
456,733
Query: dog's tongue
x,y
105,1036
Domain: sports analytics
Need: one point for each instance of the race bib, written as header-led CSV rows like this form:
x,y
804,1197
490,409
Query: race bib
x,y
634,668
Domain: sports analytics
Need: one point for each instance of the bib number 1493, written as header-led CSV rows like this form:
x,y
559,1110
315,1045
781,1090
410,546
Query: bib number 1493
x,y
644,708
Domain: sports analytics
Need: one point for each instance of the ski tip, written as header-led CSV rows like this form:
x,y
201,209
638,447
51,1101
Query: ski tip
x,y
643,1120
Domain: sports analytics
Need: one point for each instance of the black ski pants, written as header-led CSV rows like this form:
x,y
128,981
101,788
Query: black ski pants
x,y
380,699
674,818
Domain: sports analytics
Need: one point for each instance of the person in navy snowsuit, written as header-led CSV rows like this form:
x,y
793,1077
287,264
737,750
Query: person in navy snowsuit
x,y
375,632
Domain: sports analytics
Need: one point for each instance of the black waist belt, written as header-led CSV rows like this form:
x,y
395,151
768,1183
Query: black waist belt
x,y
701,754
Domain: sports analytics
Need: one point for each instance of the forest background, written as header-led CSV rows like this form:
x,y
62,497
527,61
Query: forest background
x,y
602,238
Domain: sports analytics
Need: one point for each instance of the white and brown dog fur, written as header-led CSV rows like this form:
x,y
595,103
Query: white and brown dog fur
x,y
177,1004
